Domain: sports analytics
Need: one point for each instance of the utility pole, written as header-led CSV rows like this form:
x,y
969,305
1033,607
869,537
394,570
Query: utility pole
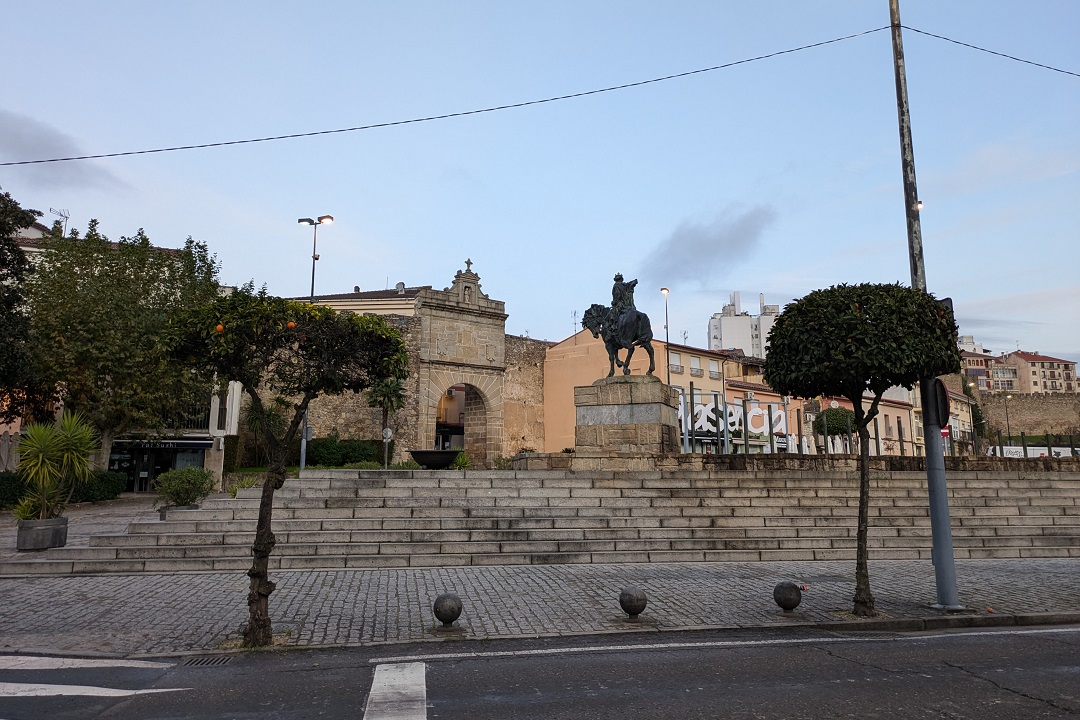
x,y
929,390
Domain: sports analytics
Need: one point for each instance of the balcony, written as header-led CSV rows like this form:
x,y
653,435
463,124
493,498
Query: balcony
x,y
697,372
676,368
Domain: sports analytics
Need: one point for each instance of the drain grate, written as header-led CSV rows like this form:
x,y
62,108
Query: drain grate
x,y
208,661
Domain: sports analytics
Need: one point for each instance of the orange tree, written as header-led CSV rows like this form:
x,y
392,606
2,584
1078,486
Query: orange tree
x,y
857,341
289,349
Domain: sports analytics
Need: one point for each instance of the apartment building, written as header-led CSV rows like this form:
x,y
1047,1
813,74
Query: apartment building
x,y
733,329
1032,372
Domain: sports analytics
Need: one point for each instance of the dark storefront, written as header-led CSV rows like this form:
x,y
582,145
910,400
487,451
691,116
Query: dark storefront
x,y
142,461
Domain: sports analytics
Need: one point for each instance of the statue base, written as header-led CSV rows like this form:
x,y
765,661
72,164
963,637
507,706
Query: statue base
x,y
626,414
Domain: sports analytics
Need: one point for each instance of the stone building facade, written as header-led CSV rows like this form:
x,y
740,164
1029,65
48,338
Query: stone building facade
x,y
457,343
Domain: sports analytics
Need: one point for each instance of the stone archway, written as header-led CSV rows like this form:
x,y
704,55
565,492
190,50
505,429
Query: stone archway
x,y
481,412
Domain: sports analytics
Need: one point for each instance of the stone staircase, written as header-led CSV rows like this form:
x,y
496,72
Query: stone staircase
x,y
340,519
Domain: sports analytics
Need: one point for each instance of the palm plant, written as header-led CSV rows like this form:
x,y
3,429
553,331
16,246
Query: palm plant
x,y
54,459
388,394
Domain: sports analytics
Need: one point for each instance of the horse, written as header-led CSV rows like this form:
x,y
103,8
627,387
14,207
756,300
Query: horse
x,y
631,330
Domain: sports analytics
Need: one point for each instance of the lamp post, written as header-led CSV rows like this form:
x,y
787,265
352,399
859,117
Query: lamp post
x,y
667,343
321,220
1008,428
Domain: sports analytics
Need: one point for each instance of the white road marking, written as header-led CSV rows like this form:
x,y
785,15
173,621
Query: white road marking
x,y
35,690
31,662
398,692
714,644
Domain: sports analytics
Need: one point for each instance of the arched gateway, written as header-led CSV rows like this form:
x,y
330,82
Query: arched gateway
x,y
456,339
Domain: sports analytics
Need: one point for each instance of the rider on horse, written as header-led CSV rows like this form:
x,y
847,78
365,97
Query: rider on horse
x,y
622,302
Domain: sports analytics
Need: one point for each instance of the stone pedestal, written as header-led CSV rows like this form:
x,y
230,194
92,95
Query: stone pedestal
x,y
626,414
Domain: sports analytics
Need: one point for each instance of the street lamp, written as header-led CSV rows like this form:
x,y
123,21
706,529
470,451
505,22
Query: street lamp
x,y
321,220
1008,428
667,344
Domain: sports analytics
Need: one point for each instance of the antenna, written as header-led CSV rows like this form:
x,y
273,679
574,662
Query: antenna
x,y
684,336
61,213
573,314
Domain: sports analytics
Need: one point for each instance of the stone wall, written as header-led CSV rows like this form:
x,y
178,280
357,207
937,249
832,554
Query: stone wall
x,y
1057,413
350,415
523,394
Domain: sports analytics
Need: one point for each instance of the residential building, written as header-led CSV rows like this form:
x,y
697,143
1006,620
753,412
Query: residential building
x,y
1032,372
978,368
733,329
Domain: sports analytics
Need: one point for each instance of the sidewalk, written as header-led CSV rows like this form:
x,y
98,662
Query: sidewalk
x,y
140,615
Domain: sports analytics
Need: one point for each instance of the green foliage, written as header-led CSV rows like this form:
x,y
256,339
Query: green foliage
x,y
12,487
461,462
99,314
101,485
504,463
184,486
21,388
839,421
851,339
248,480
331,451
388,394
53,460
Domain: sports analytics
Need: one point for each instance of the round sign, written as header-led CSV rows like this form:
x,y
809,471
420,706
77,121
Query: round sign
x,y
387,433
834,404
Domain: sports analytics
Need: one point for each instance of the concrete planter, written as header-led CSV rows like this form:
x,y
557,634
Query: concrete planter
x,y
42,534
434,459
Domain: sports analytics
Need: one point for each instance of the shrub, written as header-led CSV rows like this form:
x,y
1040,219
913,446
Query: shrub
x,y
185,486
102,485
248,480
461,462
504,463
12,487
331,451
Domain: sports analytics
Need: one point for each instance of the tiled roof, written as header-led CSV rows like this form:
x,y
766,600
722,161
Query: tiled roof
x,y
372,294
1036,357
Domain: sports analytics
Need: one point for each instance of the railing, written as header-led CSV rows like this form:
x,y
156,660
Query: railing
x,y
193,418
676,368
697,372
713,375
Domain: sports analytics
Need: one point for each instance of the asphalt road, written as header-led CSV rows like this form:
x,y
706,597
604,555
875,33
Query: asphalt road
x,y
804,673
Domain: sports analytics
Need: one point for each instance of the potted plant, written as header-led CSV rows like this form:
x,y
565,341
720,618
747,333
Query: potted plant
x,y
53,460
183,488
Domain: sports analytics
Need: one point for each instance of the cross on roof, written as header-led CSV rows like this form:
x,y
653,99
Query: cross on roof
x,y
468,265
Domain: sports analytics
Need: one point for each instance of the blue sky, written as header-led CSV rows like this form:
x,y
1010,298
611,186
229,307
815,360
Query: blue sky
x,y
778,176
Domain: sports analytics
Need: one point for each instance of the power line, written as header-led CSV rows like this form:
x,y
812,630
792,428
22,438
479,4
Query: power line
x,y
992,52
446,116
527,103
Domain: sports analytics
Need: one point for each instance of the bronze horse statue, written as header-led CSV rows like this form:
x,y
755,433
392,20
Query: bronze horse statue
x,y
631,329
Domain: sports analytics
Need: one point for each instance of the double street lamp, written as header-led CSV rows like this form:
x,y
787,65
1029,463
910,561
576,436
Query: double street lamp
x,y
321,220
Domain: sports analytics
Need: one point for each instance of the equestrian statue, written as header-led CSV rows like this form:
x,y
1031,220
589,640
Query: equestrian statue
x,y
622,326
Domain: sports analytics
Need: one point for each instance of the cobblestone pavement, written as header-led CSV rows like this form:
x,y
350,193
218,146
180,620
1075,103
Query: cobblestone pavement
x,y
198,613
168,614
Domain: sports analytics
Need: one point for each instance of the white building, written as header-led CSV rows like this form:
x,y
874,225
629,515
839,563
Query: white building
x,y
734,329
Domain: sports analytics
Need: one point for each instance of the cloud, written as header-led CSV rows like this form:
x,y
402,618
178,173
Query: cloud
x,y
1001,165
701,251
24,138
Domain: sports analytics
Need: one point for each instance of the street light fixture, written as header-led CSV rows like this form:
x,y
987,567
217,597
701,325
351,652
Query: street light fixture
x,y
321,220
667,344
1008,428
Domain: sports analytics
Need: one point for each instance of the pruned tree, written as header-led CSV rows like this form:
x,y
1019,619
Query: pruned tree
x,y
857,341
99,313
292,349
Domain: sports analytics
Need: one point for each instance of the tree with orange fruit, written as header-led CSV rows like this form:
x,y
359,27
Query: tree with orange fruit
x,y
289,349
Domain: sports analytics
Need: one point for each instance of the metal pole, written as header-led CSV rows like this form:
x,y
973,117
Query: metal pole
x,y
691,424
772,438
1008,427
942,552
314,256
667,341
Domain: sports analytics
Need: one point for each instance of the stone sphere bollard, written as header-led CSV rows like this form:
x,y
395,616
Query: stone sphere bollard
x,y
787,595
633,601
447,608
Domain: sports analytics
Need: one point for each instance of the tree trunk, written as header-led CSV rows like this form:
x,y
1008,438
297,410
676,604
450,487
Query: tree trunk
x,y
100,460
259,630
864,599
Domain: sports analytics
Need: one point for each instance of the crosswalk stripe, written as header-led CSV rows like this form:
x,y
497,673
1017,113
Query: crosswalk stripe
x,y
33,662
398,692
37,690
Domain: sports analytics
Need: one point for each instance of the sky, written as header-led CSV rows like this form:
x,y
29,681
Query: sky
x,y
776,176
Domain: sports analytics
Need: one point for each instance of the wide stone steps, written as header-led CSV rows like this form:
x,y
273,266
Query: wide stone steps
x,y
346,519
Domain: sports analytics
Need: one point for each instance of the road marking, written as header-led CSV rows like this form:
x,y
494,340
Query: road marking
x,y
35,690
31,662
713,644
398,692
